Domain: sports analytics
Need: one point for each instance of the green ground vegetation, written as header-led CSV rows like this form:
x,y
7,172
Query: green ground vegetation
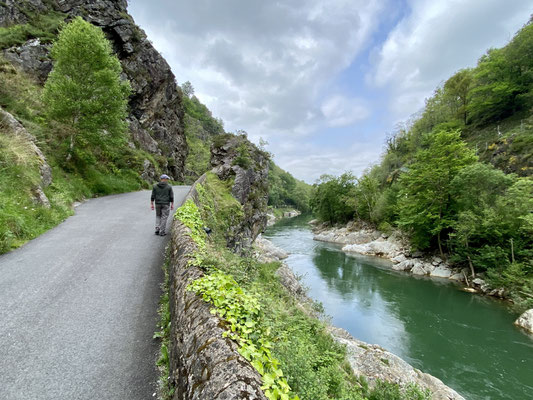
x,y
39,26
457,178
93,167
291,349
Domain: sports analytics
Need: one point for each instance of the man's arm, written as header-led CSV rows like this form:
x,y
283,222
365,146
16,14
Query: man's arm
x,y
152,198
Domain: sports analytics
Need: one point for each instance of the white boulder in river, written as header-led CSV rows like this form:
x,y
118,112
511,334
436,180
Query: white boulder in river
x,y
375,363
526,321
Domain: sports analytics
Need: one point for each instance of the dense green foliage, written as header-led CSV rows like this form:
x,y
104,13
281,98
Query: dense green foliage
x,y
242,313
491,104
330,201
437,179
424,198
199,156
189,215
220,210
287,191
85,91
290,349
200,130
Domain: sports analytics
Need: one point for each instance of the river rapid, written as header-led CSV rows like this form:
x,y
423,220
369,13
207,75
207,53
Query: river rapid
x,y
468,341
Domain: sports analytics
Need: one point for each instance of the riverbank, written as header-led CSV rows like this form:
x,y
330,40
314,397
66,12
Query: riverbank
x,y
463,339
361,239
358,238
372,362
276,214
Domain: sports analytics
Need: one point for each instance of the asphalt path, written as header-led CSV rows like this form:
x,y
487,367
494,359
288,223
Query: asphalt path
x,y
78,305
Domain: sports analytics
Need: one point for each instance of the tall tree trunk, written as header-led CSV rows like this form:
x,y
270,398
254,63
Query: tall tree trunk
x,y
72,137
471,267
70,147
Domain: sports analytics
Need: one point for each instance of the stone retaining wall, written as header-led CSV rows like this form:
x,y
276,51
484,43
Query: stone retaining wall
x,y
203,364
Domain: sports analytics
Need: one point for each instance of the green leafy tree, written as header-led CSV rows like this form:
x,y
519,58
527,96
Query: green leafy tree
x,y
503,80
188,89
331,200
456,90
475,190
493,95
84,89
364,197
424,202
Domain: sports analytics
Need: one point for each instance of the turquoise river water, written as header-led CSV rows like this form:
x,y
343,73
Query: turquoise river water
x,y
468,341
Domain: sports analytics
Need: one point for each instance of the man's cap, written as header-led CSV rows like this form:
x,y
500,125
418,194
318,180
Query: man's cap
x,y
164,177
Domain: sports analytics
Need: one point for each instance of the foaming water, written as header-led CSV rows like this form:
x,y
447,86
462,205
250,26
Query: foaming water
x,y
467,341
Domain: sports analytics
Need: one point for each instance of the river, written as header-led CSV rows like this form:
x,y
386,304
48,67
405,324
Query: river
x,y
467,341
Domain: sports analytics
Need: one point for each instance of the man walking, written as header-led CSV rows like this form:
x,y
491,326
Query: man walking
x,y
163,196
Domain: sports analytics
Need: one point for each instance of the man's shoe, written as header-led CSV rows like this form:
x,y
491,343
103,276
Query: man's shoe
x,y
157,231
162,234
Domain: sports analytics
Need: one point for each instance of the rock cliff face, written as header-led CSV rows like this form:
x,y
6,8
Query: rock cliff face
x,y
234,157
13,11
156,109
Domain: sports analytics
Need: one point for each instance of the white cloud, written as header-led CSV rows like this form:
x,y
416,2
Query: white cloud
x,y
435,40
264,65
341,111
271,67
307,161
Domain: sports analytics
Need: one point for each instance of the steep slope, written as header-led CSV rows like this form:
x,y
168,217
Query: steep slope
x,y
156,106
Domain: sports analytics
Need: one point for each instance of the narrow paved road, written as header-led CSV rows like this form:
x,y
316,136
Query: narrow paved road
x,y
78,305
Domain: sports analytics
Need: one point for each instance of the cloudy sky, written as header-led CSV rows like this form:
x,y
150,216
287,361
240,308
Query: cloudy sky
x,y
322,81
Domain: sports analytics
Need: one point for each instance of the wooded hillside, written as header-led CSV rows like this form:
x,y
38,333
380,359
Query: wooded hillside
x,y
457,177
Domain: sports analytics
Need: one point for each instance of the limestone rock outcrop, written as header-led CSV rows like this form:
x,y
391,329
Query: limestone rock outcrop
x,y
368,241
10,11
31,57
526,321
267,252
234,157
156,109
375,363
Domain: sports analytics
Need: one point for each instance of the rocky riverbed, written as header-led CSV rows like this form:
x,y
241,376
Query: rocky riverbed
x,y
272,218
362,239
371,361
